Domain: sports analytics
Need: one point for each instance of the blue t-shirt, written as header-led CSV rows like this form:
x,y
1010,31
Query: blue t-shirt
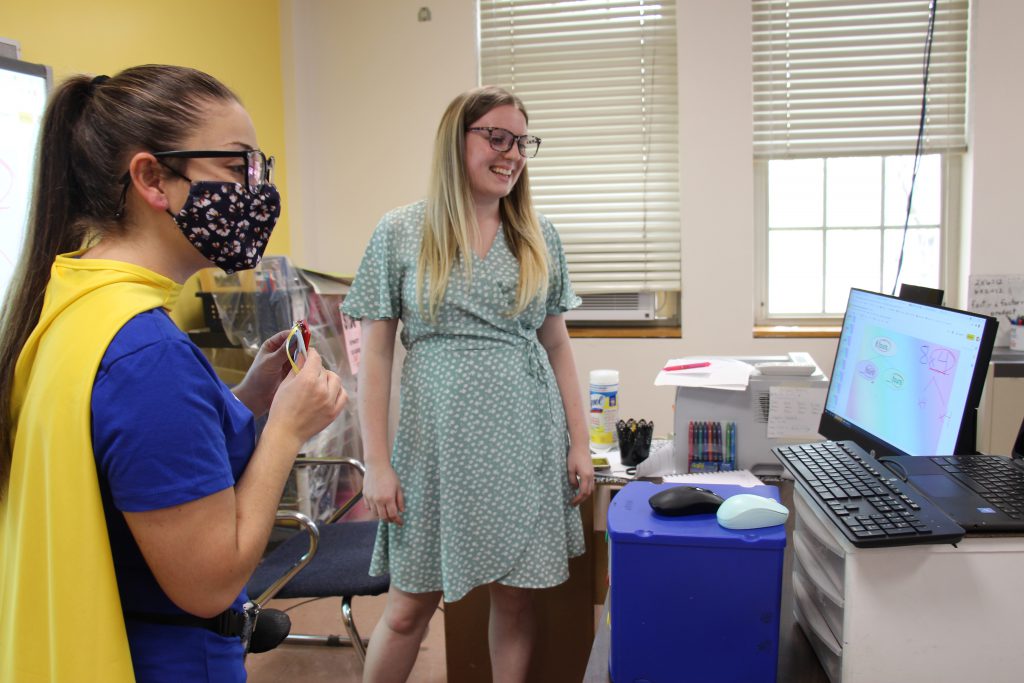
x,y
165,430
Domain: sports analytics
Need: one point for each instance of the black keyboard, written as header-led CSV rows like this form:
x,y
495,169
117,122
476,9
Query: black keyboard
x,y
870,507
994,478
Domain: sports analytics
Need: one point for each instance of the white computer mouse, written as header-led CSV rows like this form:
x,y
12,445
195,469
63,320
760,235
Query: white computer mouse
x,y
747,511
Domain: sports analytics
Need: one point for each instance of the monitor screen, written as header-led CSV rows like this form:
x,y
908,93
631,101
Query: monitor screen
x,y
23,89
907,377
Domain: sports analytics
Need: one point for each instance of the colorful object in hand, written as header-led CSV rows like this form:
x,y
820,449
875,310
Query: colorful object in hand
x,y
300,333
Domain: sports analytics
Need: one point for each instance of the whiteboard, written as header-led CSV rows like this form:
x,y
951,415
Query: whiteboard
x,y
1001,296
23,89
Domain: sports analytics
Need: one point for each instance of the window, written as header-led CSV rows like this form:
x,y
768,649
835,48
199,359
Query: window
x,y
598,78
837,223
837,106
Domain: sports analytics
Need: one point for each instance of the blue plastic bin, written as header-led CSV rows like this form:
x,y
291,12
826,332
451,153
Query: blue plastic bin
x,y
691,601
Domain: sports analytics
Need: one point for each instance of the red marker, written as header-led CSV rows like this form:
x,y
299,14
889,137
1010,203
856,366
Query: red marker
x,y
687,366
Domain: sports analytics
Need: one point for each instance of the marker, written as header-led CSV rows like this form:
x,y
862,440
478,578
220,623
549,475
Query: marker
x,y
686,366
725,442
719,452
689,461
732,453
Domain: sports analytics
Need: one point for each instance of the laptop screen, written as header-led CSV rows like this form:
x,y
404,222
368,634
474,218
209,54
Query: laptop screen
x,y
907,377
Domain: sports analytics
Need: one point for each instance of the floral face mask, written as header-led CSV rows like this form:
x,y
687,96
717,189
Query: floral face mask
x,y
228,224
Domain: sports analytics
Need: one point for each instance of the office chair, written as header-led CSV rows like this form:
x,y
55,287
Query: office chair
x,y
329,560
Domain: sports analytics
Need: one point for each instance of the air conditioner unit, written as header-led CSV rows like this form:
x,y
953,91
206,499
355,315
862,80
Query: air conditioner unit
x,y
606,307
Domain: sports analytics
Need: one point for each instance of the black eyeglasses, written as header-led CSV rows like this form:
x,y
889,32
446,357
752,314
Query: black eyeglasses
x,y
502,140
259,168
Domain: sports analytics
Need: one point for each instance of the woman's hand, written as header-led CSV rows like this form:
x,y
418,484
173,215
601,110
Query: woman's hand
x,y
383,493
268,369
307,401
581,472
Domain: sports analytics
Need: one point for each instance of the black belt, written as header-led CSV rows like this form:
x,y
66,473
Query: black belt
x,y
228,623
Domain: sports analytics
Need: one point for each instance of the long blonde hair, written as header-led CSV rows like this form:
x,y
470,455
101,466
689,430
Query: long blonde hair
x,y
450,218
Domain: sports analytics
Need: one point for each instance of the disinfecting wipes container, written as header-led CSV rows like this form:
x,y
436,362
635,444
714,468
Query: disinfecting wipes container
x,y
604,408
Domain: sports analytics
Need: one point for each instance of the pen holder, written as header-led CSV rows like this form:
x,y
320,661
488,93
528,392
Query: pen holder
x,y
634,440
1017,337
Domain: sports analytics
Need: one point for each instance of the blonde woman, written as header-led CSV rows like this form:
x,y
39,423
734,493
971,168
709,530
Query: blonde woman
x,y
491,459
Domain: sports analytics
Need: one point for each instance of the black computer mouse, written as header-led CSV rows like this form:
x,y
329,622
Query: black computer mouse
x,y
685,500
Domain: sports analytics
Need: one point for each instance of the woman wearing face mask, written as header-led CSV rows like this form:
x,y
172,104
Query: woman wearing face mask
x,y
491,455
135,500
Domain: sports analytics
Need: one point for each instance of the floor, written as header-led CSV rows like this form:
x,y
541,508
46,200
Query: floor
x,y
319,664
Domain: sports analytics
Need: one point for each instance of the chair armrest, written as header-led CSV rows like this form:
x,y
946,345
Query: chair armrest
x,y
291,518
303,461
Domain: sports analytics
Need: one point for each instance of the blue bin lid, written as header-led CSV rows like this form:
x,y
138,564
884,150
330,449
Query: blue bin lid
x,y
631,520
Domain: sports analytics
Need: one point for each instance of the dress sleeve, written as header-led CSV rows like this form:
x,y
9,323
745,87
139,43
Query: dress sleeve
x,y
561,297
376,292
158,434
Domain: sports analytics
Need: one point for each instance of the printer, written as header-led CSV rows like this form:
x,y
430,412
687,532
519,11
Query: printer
x,y
750,411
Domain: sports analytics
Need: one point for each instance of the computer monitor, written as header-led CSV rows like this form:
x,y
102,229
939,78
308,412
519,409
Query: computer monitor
x,y
907,377
23,88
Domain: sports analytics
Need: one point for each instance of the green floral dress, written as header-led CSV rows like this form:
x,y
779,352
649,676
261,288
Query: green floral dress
x,y
482,443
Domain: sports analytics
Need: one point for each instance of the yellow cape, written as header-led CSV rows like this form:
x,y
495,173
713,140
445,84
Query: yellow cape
x,y
60,613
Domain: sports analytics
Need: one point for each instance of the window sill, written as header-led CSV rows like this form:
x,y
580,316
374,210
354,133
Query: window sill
x,y
796,331
658,332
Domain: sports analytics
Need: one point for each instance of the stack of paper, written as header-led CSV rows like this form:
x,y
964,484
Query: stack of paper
x,y
735,477
711,373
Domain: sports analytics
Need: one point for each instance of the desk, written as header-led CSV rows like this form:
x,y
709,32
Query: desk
x,y
797,662
915,614
999,413
565,625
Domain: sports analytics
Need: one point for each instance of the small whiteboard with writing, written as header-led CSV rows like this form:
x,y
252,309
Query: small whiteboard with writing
x,y
1001,296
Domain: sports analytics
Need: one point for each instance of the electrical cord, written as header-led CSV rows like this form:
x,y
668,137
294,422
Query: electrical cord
x,y
300,604
919,147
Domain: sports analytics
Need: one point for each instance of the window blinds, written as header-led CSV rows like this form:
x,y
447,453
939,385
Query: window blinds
x,y
845,77
598,79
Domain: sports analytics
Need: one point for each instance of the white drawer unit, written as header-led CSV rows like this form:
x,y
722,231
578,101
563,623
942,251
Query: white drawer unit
x,y
999,413
914,614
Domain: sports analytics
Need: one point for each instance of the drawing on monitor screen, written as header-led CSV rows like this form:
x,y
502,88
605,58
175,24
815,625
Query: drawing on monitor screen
x,y
902,385
6,183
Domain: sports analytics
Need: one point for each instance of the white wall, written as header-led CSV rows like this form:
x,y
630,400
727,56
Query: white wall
x,y
367,83
994,168
370,83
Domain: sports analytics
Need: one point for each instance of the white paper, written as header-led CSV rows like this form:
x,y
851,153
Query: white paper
x,y
794,411
660,461
722,373
736,478
1001,296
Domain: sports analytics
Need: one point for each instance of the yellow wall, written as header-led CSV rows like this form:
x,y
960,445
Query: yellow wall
x,y
237,41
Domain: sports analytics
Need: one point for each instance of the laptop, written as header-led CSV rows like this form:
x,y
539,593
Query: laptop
x,y
905,387
980,492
